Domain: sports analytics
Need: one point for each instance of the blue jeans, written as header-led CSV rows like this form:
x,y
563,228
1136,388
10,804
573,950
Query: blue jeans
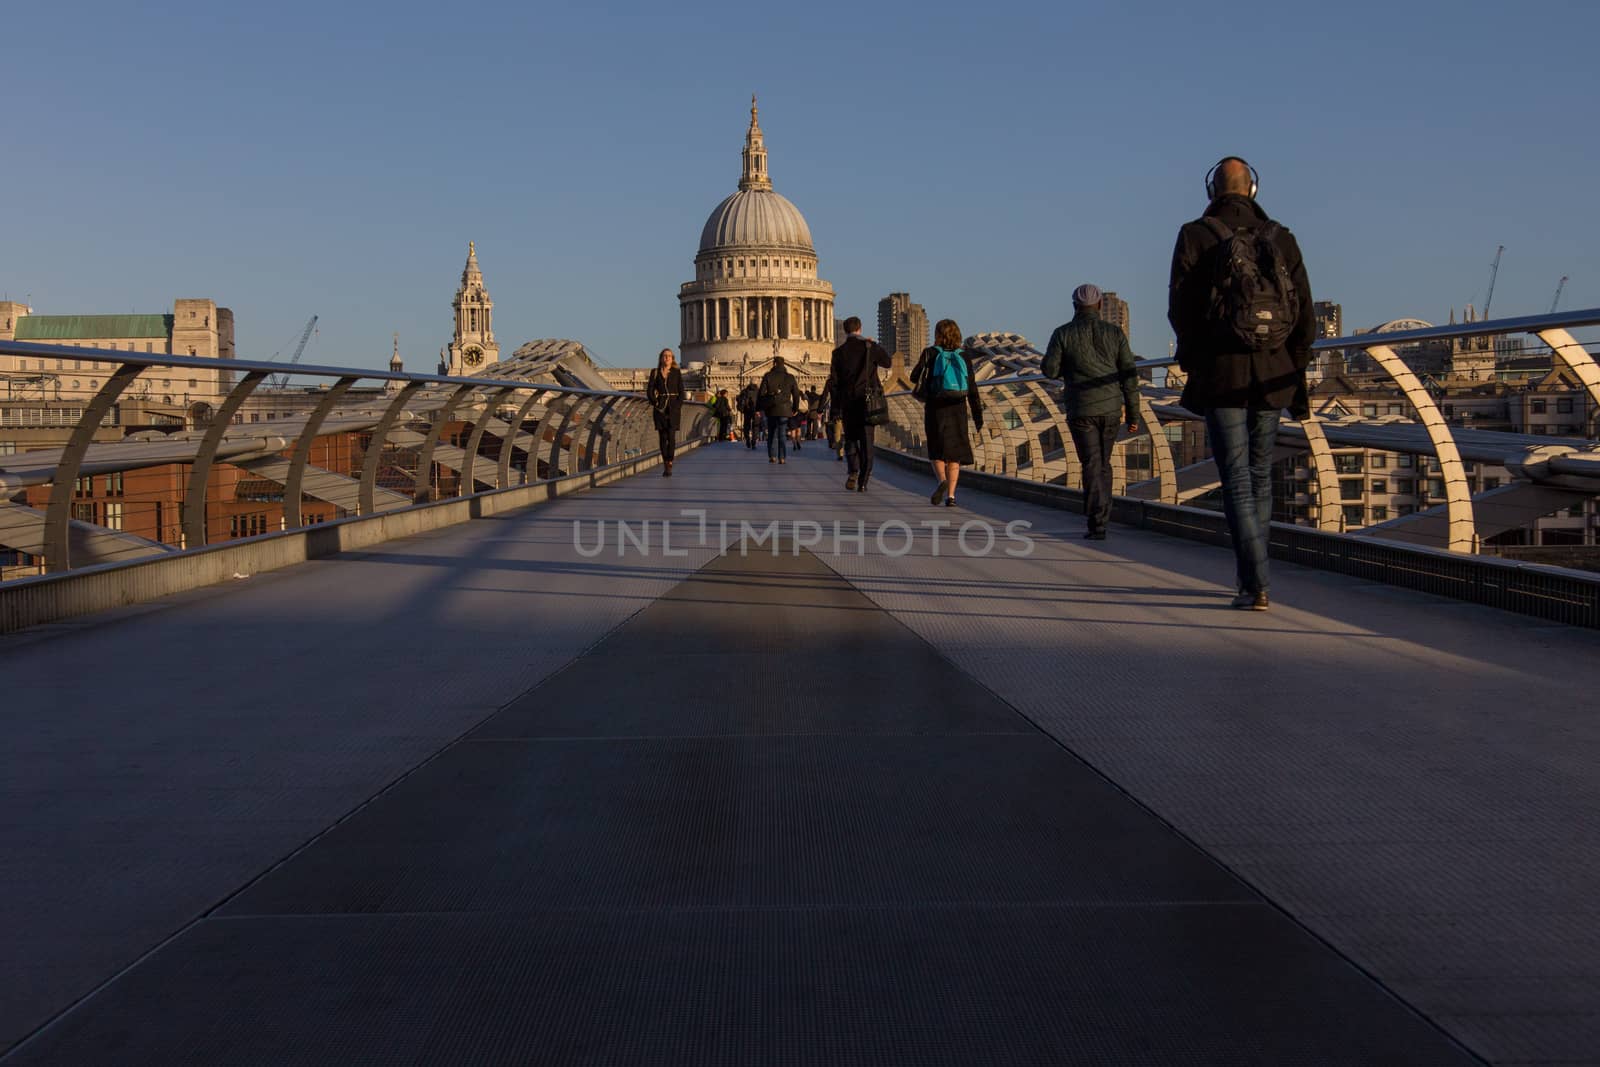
x,y
1242,440
777,437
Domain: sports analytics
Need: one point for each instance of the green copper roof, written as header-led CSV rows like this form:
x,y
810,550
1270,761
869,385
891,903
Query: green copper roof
x,y
86,327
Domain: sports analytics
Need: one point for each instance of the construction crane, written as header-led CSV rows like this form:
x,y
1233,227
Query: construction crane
x,y
1562,284
280,381
1494,272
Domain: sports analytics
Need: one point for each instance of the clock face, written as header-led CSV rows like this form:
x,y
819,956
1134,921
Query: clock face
x,y
472,356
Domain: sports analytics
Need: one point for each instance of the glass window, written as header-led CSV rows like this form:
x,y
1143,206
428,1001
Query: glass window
x,y
1536,407
1380,513
1378,460
1380,485
1403,460
1350,489
1369,410
1352,515
114,515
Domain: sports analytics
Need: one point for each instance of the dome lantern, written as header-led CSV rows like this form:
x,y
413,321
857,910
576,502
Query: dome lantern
x,y
755,154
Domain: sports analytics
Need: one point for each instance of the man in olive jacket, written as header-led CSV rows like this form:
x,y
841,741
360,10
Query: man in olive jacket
x,y
1240,392
1099,381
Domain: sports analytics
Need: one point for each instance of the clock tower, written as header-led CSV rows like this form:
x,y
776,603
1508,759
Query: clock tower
x,y
473,347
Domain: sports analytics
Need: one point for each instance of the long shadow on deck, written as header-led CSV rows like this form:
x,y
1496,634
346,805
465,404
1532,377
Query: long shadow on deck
x,y
762,822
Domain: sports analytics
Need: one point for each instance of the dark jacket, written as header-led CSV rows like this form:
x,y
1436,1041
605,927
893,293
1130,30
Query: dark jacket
x,y
973,399
1221,376
1096,367
780,393
853,367
666,397
746,400
721,408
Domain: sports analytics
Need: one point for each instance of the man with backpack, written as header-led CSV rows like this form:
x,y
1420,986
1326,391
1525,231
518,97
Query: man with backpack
x,y
1240,304
854,372
1099,381
751,410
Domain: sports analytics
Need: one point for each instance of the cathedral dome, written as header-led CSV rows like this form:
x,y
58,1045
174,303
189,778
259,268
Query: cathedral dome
x,y
756,218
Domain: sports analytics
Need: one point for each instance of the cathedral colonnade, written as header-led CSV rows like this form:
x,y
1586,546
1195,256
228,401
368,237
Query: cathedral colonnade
x,y
756,318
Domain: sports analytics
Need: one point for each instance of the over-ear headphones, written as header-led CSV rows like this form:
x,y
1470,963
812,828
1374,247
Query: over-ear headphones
x,y
1211,177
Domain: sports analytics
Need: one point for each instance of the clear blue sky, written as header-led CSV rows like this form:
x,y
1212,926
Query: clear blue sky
x,y
294,158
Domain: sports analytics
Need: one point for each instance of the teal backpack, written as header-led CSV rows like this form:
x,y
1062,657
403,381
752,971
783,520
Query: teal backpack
x,y
947,376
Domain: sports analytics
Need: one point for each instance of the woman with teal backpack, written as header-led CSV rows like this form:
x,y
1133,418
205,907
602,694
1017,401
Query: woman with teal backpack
x,y
945,383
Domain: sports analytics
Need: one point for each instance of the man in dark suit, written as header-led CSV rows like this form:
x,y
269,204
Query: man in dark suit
x,y
854,368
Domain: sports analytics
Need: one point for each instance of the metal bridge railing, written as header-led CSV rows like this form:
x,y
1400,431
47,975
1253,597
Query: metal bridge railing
x,y
1025,434
249,461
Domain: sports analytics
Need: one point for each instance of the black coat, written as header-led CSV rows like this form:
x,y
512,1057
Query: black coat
x,y
780,394
973,399
1219,374
853,367
666,398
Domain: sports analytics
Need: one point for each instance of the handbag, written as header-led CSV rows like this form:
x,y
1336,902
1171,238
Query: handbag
x,y
875,404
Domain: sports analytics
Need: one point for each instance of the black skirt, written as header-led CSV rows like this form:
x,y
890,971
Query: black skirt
x,y
944,426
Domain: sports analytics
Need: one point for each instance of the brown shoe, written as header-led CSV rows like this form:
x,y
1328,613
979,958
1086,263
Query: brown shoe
x,y
850,484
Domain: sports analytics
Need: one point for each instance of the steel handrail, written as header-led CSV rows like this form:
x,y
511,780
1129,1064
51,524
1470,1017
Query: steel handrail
x,y
155,359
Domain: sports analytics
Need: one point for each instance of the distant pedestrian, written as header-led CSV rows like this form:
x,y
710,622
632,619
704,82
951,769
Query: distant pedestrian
x,y
1240,304
722,409
664,391
1099,381
945,380
855,374
751,411
780,398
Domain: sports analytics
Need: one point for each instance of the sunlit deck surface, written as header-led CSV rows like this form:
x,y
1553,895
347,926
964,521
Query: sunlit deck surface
x,y
475,798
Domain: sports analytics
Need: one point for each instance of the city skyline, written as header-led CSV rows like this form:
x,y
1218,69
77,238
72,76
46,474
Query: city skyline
x,y
286,199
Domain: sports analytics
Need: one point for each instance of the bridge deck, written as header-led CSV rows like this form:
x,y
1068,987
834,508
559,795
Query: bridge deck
x,y
476,798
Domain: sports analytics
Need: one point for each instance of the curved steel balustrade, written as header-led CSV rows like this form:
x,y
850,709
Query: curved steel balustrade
x,y
558,429
1561,463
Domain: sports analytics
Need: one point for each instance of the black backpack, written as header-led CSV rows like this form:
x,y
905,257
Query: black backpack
x,y
1252,302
